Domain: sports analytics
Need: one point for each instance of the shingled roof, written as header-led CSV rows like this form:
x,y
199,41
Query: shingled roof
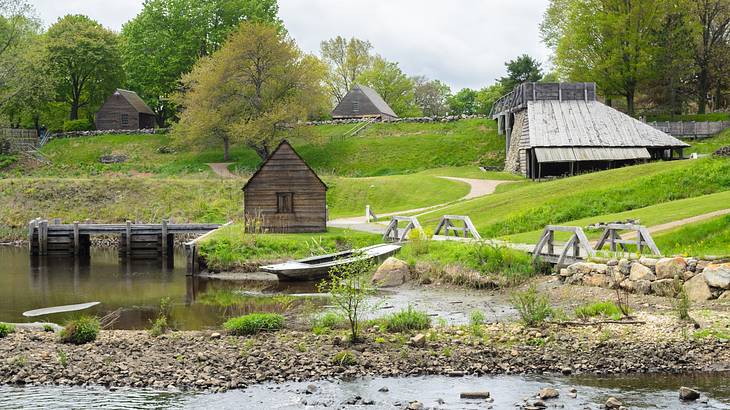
x,y
135,101
367,101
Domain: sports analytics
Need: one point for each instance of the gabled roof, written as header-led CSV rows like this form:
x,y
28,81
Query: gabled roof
x,y
380,105
273,153
135,101
579,123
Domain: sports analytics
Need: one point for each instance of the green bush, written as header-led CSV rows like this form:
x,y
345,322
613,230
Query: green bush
x,y
327,322
607,309
7,160
407,319
344,358
159,326
6,329
254,323
533,307
77,125
477,318
82,330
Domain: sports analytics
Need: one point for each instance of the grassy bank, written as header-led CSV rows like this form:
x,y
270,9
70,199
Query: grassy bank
x,y
382,149
709,145
707,238
232,249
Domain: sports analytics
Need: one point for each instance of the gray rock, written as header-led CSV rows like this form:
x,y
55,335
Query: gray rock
x,y
624,266
717,275
725,295
642,287
415,405
697,289
393,272
687,394
613,403
548,393
641,272
648,262
474,395
418,340
668,268
664,287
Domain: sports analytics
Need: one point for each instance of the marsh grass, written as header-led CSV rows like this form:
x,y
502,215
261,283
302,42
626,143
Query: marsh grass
x,y
80,331
407,320
6,329
533,307
606,309
254,323
327,322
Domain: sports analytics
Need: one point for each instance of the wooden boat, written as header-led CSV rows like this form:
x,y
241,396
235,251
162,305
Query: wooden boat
x,y
318,267
59,309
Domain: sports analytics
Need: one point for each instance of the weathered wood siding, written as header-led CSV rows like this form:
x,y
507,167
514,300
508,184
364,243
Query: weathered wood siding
x,y
518,98
283,172
691,128
109,116
358,104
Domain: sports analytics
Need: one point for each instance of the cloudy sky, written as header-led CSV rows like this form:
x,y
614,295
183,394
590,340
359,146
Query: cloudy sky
x,y
462,42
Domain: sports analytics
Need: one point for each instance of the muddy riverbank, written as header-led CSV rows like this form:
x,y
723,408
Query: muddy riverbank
x,y
204,361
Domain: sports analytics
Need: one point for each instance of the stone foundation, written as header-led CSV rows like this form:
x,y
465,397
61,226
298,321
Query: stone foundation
x,y
702,280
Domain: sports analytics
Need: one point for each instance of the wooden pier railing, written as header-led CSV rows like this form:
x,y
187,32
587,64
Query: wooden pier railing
x,y
576,249
451,230
394,234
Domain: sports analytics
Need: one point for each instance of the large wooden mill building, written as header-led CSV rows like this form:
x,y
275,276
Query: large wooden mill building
x,y
555,129
286,195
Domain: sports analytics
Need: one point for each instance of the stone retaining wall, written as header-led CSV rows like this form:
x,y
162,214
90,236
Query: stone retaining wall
x,y
702,280
448,118
76,134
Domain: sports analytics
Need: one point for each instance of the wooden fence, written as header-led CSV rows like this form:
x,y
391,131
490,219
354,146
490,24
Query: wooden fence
x,y
20,140
691,128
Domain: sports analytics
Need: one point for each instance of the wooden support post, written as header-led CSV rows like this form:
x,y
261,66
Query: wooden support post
x,y
76,237
56,221
164,238
31,231
43,237
129,238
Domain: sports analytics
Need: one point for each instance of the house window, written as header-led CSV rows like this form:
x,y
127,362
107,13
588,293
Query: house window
x,y
285,202
125,120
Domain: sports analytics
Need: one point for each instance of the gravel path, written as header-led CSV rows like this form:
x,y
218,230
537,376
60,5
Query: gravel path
x,y
221,169
681,222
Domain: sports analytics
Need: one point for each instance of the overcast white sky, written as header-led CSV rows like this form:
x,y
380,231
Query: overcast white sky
x,y
461,42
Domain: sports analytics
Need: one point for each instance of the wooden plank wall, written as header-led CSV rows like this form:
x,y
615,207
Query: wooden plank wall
x,y
691,128
20,140
109,116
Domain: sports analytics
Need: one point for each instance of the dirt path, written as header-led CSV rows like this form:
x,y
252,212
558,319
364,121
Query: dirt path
x,y
479,188
221,169
679,223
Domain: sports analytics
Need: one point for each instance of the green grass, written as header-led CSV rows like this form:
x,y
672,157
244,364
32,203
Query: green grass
x,y
7,160
327,322
407,320
254,323
706,238
532,206
606,309
6,329
80,331
709,145
233,249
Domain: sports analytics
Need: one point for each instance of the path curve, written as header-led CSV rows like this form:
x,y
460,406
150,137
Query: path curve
x,y
221,169
679,223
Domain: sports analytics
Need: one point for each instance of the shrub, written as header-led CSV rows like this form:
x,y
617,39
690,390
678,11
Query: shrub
x,y
82,330
254,323
6,329
47,328
77,125
607,309
477,318
407,319
532,307
326,323
159,326
7,160
344,358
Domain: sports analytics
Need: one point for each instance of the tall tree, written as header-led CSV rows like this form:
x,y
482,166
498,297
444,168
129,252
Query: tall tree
x,y
168,36
712,18
522,69
250,91
487,96
463,102
431,96
393,85
18,29
347,60
610,42
84,57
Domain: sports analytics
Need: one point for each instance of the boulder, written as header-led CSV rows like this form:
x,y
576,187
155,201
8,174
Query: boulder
x,y
725,296
687,275
393,272
613,403
642,287
641,272
687,394
664,287
624,266
697,289
548,393
717,275
597,280
667,268
418,340
648,262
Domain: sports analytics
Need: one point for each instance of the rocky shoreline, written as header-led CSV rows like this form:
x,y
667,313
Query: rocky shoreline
x,y
214,362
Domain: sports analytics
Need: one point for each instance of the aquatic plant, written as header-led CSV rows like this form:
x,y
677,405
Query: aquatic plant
x,y
6,329
80,331
477,317
254,323
605,308
327,322
406,320
533,307
344,358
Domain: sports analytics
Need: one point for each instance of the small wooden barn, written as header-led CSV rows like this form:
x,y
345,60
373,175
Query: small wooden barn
x,y
124,110
286,195
363,102
556,129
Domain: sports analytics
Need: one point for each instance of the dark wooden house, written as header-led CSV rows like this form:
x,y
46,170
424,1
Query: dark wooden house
x,y
124,110
286,195
363,102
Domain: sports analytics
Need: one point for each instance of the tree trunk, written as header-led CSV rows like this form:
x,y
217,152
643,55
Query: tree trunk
x,y
630,102
226,144
702,86
74,110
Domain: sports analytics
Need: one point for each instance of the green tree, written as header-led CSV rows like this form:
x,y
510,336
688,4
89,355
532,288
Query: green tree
x,y
712,22
487,96
611,42
346,61
18,30
463,102
84,58
523,69
396,88
431,96
250,91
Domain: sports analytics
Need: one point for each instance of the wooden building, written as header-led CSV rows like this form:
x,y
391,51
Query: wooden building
x,y
363,102
124,110
286,195
556,129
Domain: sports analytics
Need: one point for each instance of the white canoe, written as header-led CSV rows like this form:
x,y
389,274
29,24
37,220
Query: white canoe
x,y
59,309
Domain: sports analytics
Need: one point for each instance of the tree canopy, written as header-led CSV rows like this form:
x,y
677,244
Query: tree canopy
x,y
346,61
396,88
252,90
522,69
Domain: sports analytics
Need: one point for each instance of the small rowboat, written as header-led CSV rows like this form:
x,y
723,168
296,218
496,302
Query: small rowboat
x,y
59,309
318,267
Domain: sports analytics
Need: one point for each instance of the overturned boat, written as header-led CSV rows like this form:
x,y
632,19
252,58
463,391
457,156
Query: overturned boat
x,y
318,267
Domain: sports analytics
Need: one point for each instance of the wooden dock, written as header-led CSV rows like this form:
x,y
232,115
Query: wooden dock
x,y
138,241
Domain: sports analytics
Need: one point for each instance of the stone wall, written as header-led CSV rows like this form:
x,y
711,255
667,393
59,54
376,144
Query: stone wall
x,y
448,118
76,134
702,280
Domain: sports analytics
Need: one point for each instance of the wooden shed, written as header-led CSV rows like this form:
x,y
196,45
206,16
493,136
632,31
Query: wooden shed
x,y
124,110
555,129
286,195
363,102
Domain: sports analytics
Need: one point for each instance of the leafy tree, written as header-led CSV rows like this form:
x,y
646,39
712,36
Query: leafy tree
x,y
18,29
251,91
168,36
523,69
346,60
463,102
431,96
712,22
396,88
84,58
487,96
611,42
